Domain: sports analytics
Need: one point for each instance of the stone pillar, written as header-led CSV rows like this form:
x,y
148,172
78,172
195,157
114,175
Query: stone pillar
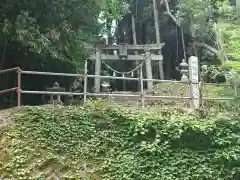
x,y
161,70
194,81
51,98
58,98
148,64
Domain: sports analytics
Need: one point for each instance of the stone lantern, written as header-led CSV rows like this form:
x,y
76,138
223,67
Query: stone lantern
x,y
184,70
106,88
123,51
55,88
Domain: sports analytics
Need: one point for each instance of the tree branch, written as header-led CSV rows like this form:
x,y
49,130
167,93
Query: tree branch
x,y
169,13
210,48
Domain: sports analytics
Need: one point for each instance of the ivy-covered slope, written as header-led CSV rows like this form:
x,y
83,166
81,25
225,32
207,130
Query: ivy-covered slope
x,y
100,142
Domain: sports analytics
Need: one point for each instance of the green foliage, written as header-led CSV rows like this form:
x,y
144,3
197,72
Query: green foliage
x,y
114,9
55,27
47,26
213,73
227,72
235,65
220,75
101,142
231,36
218,91
200,15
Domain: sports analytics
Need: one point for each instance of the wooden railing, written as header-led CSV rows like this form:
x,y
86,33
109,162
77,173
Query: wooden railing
x,y
141,95
16,89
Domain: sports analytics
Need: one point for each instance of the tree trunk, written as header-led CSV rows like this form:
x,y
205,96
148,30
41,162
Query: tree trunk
x,y
4,53
134,29
156,21
135,43
158,39
238,7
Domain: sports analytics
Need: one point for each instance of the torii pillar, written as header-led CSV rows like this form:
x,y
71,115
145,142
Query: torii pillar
x,y
148,64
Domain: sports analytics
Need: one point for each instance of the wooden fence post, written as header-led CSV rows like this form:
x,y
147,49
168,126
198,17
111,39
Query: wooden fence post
x,y
97,71
19,88
85,81
141,84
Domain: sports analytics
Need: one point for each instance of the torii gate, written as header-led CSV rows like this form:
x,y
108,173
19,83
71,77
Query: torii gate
x,y
122,50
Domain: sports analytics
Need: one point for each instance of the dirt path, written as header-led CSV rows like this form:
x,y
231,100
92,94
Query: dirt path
x,y
6,115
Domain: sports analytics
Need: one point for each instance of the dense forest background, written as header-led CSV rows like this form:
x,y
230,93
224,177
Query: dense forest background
x,y
51,35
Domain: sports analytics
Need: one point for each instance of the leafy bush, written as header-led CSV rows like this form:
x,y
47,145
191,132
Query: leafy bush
x,y
101,142
233,65
231,34
214,74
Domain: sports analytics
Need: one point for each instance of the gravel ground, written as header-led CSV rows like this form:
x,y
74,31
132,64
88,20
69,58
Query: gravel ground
x,y
5,116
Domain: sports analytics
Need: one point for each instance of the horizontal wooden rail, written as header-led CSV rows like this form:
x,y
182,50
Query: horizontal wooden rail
x,y
8,90
219,99
131,47
153,57
18,88
113,95
215,84
51,74
167,97
9,70
117,95
51,93
99,76
114,77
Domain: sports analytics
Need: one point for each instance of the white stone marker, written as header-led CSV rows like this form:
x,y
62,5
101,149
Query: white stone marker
x,y
194,81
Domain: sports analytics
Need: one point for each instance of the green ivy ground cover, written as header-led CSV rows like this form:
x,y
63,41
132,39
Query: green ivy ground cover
x,y
101,142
